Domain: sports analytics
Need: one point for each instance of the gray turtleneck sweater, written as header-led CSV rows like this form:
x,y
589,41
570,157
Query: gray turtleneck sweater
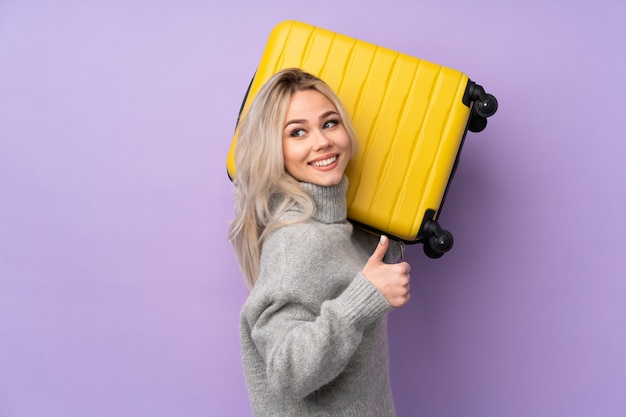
x,y
313,329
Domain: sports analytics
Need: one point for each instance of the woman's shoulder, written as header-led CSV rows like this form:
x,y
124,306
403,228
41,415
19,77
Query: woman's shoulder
x,y
289,256
280,279
296,236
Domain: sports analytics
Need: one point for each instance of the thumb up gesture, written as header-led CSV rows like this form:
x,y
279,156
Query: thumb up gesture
x,y
392,280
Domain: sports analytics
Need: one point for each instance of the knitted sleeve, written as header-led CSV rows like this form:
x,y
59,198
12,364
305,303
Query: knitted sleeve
x,y
305,346
303,351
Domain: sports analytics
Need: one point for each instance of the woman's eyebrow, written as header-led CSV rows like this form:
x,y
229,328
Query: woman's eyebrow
x,y
300,121
294,122
329,113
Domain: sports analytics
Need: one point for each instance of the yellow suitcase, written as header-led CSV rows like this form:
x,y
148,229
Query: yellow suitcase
x,y
411,117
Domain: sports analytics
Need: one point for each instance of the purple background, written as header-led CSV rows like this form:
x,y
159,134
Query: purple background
x,y
120,295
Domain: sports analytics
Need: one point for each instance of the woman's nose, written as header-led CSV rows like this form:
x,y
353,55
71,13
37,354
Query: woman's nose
x,y
322,140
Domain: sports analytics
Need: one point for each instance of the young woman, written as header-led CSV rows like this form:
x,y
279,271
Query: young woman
x,y
313,329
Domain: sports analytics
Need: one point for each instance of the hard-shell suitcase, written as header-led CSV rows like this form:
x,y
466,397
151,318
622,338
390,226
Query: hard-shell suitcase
x,y
411,117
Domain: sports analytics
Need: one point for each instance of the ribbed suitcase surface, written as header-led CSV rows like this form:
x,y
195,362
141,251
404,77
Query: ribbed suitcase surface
x,y
408,113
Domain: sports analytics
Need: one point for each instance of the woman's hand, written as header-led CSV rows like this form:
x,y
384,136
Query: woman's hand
x,y
392,280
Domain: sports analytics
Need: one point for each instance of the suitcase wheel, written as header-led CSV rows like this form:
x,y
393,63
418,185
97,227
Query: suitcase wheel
x,y
477,123
439,241
486,105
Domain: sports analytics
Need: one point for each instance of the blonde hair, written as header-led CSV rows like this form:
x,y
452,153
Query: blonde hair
x,y
264,190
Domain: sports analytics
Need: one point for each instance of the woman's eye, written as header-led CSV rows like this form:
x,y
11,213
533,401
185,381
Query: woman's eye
x,y
297,133
331,123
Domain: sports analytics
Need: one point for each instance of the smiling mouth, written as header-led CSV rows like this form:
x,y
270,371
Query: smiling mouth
x,y
324,162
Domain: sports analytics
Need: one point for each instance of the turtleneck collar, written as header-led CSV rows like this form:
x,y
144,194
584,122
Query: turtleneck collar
x,y
330,201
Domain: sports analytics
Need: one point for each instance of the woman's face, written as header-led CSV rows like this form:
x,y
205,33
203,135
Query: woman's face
x,y
316,146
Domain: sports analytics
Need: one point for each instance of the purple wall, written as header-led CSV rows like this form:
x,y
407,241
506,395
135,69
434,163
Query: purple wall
x,y
119,293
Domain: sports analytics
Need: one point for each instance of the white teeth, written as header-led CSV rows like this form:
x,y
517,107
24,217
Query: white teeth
x,y
325,162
